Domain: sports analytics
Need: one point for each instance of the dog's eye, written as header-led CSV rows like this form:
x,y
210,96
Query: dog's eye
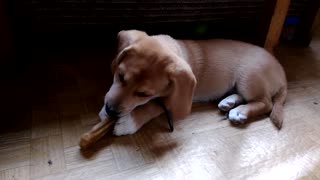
x,y
121,78
142,94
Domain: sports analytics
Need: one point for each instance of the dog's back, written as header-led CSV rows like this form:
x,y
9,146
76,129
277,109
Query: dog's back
x,y
221,65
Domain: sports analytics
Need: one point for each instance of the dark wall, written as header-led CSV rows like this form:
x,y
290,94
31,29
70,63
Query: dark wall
x,y
95,23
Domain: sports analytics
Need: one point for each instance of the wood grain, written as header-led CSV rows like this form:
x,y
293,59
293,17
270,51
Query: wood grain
x,y
126,153
20,173
203,146
74,158
47,156
14,150
71,130
45,122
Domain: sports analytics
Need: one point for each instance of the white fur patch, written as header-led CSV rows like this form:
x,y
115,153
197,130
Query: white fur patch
x,y
124,126
229,102
237,117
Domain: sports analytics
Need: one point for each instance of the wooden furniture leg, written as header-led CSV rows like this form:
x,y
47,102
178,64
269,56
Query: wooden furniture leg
x,y
276,24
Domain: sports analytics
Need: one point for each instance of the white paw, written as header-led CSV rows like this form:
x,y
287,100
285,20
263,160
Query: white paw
x,y
237,117
102,114
226,104
230,102
124,126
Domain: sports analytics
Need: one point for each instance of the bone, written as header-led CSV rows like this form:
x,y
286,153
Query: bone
x,y
97,132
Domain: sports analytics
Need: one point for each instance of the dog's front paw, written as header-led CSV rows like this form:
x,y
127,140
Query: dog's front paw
x,y
230,102
237,117
124,126
226,105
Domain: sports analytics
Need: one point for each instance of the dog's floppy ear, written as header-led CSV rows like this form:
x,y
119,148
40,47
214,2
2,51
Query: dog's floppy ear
x,y
125,40
183,83
128,37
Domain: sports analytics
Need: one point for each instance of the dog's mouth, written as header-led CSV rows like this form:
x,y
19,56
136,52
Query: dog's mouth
x,y
116,114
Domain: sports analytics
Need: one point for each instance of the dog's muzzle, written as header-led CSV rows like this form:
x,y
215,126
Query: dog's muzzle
x,y
111,112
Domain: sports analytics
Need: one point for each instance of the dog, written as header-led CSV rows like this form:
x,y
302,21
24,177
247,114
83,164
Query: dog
x,y
181,72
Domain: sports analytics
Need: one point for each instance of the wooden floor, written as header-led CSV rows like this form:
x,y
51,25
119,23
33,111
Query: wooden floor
x,y
59,101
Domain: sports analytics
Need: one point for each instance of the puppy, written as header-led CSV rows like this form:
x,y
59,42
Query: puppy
x,y
183,71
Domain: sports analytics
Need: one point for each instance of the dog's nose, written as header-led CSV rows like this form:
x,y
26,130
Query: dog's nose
x,y
111,111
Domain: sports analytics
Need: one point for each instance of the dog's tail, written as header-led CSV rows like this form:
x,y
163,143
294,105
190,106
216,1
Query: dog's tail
x,y
276,114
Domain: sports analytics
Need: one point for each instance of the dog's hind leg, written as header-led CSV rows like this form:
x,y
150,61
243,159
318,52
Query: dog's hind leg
x,y
256,90
230,102
242,113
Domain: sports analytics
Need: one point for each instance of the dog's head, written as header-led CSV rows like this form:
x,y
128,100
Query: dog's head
x,y
145,69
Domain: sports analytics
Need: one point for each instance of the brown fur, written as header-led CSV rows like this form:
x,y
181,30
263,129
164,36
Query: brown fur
x,y
183,71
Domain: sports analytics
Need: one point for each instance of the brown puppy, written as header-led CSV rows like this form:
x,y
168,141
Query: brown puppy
x,y
183,71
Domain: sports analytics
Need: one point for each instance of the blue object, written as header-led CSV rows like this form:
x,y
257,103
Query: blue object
x,y
292,21
289,28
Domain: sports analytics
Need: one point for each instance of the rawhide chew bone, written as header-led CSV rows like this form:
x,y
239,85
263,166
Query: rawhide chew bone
x,y
97,132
